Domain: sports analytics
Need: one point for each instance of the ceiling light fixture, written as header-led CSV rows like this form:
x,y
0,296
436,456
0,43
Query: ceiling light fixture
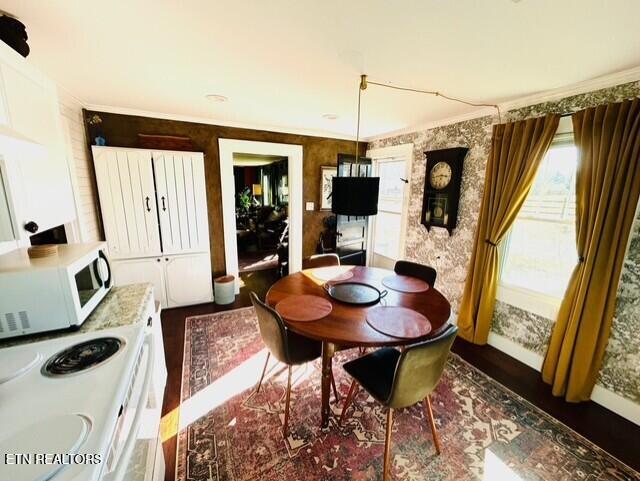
x,y
216,98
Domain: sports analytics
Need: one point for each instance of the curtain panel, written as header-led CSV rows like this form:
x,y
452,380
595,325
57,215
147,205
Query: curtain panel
x,y
607,190
517,149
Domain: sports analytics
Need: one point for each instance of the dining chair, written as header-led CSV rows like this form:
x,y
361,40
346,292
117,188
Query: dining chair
x,y
321,260
399,379
286,346
413,269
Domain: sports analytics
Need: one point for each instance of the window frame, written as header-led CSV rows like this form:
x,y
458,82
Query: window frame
x,y
530,300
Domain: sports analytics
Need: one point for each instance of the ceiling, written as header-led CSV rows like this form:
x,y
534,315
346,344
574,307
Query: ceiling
x,y
284,64
255,160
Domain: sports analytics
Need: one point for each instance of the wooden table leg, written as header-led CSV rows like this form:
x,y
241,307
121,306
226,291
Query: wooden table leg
x,y
328,350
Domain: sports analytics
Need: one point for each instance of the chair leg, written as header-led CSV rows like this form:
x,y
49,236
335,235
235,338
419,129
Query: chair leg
x,y
387,447
333,385
348,400
285,428
264,370
429,413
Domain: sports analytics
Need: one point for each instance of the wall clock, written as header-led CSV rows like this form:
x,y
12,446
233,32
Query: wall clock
x,y
442,188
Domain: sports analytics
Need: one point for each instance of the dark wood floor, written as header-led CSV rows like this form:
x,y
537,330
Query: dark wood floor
x,y
611,432
173,334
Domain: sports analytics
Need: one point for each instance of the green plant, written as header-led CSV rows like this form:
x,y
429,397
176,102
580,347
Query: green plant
x,y
244,199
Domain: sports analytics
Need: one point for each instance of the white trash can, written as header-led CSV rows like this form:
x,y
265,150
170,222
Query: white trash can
x,y
224,290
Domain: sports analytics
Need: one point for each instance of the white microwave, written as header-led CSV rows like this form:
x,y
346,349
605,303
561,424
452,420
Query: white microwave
x,y
51,293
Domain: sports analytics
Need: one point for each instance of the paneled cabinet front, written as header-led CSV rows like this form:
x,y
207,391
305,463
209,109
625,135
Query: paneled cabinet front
x,y
187,279
35,171
154,209
128,202
181,197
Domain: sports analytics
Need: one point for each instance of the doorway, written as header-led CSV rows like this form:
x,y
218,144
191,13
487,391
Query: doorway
x,y
261,185
387,233
262,224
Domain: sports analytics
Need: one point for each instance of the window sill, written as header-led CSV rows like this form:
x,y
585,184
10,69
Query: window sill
x,y
537,303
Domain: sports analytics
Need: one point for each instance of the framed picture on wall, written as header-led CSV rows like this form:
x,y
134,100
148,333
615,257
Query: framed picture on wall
x,y
327,172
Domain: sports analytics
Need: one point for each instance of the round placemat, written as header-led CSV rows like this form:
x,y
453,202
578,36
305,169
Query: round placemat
x,y
304,308
398,322
332,273
405,283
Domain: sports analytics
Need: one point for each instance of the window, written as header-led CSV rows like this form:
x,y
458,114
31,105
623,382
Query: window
x,y
540,250
388,223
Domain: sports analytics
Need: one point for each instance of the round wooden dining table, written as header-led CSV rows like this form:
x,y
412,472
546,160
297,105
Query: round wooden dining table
x,y
346,325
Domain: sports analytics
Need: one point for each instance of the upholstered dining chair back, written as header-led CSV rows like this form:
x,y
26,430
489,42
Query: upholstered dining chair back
x,y
419,369
321,260
413,269
272,329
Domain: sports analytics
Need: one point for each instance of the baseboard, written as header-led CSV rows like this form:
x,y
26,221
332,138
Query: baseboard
x,y
616,403
606,398
515,350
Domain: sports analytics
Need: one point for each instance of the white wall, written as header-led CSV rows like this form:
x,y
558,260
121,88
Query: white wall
x,y
81,166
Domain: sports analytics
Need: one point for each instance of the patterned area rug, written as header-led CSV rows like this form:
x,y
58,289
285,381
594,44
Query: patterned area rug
x,y
229,433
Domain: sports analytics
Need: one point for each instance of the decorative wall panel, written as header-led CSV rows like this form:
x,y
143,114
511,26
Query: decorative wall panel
x,y
450,255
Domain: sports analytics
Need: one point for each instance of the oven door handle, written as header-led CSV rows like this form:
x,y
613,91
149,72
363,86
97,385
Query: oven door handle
x,y
125,455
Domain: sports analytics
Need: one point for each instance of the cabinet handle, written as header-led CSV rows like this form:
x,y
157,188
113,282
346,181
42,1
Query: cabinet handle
x,y
146,199
31,226
158,260
164,207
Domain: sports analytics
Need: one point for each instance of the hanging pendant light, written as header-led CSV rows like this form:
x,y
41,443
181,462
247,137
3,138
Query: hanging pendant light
x,y
355,196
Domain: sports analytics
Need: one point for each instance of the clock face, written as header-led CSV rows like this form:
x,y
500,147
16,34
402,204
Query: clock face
x,y
440,175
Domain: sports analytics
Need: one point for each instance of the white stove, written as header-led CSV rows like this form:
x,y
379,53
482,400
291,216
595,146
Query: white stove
x,y
74,407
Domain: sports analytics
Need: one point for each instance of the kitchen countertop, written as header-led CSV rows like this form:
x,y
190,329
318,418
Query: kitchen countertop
x,y
123,306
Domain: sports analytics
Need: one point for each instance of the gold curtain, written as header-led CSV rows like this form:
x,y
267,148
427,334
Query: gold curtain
x,y
516,152
607,189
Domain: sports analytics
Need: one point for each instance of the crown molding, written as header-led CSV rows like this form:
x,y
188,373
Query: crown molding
x,y
222,123
474,114
598,83
605,81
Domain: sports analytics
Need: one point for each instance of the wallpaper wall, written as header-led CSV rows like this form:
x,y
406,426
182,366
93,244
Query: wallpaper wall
x,y
122,131
620,372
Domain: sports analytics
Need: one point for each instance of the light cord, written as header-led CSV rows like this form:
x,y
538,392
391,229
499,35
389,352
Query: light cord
x,y
364,82
358,125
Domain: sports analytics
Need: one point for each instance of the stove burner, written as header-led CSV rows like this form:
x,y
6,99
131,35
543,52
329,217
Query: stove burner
x,y
82,356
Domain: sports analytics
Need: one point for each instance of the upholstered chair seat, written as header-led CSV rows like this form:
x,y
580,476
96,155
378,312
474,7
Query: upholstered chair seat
x,y
399,379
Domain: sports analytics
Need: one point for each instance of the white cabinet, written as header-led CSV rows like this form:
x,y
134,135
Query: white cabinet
x,y
154,208
134,271
182,201
32,147
178,280
188,279
128,202
6,225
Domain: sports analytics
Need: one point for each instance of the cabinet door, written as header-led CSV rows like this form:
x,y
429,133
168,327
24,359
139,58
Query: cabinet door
x,y
33,111
180,189
188,279
134,271
6,222
127,201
